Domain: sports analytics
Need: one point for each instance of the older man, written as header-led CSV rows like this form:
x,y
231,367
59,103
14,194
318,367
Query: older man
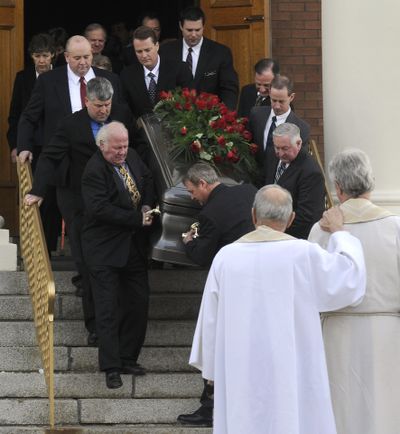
x,y
362,343
258,334
66,155
142,81
117,191
291,167
225,217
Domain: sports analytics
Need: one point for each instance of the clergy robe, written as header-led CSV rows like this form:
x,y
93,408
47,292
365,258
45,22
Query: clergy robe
x,y
362,343
258,334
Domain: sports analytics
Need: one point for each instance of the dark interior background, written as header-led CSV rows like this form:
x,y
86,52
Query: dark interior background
x,y
75,15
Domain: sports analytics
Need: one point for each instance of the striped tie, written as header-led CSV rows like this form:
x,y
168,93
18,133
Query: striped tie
x,y
130,185
281,168
189,59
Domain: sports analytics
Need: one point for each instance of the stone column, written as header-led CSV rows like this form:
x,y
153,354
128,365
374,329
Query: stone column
x,y
361,92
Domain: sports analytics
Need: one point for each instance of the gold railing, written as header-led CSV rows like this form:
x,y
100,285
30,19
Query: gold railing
x,y
40,279
313,150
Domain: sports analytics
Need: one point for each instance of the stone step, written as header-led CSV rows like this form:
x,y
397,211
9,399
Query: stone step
x,y
69,307
84,359
112,429
73,412
73,385
73,333
175,280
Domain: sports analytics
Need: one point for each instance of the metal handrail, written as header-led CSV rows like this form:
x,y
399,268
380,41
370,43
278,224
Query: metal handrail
x,y
313,150
40,278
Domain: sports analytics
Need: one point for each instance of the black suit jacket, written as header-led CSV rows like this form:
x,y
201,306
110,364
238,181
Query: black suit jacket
x,y
70,149
171,75
305,181
50,103
247,99
23,85
111,220
223,219
214,73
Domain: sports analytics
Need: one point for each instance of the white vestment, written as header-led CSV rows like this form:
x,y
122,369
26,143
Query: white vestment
x,y
363,343
258,334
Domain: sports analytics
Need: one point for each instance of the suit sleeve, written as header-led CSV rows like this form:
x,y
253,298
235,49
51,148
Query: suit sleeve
x,y
309,201
31,118
15,111
228,81
98,204
203,248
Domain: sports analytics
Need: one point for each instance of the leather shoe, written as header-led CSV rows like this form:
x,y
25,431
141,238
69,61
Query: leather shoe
x,y
92,339
113,380
201,417
133,369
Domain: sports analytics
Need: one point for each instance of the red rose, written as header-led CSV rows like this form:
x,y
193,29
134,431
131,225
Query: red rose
x,y
183,131
218,159
201,104
223,109
195,146
221,141
253,148
186,93
165,95
230,129
247,135
231,156
187,106
178,106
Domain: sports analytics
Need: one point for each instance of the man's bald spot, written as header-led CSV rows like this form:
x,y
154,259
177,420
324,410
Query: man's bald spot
x,y
76,40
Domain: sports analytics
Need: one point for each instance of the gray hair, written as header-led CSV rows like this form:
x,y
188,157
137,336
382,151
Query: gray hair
x,y
94,26
99,88
288,129
201,171
272,202
351,170
106,130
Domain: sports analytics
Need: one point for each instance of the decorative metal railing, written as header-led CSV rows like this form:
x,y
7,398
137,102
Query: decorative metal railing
x,y
40,279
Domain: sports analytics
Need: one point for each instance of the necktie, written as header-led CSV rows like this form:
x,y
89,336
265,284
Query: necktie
x,y
130,185
83,91
271,130
189,59
152,87
281,168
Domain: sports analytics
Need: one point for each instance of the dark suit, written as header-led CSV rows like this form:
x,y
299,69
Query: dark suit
x,y
113,244
23,85
247,100
214,73
257,122
48,105
170,75
305,181
223,219
67,154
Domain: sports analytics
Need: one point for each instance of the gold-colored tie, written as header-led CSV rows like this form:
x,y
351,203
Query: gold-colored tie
x,y
130,185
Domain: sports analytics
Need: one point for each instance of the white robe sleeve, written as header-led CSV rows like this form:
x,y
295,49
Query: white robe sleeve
x,y
203,348
340,275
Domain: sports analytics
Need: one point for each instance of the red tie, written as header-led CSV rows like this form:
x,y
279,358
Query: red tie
x,y
83,91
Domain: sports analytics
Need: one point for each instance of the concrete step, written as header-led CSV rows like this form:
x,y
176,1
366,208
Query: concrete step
x,y
73,333
69,307
92,385
95,411
112,429
84,359
175,280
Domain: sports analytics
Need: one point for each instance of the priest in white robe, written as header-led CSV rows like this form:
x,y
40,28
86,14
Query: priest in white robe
x,y
362,343
258,335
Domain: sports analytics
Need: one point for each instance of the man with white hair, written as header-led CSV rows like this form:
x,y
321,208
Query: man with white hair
x,y
362,342
258,336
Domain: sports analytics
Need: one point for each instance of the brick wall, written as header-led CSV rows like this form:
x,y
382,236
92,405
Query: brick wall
x,y
296,44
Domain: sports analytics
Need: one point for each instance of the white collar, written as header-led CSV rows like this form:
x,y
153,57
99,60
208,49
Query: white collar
x,y
75,78
283,117
154,70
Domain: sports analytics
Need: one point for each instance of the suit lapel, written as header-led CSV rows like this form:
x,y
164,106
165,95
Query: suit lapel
x,y
203,60
62,90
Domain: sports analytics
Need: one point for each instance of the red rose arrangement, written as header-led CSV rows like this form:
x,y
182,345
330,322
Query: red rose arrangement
x,y
204,129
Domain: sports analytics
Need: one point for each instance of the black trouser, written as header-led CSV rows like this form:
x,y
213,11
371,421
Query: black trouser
x,y
71,206
121,297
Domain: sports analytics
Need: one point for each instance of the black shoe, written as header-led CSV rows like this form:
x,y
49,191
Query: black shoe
x,y
113,380
133,369
201,417
92,339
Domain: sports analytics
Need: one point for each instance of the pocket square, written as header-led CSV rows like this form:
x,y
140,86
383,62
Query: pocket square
x,y
210,73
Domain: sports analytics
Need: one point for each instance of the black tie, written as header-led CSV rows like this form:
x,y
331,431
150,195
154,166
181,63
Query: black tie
x,y
281,168
189,59
270,142
152,88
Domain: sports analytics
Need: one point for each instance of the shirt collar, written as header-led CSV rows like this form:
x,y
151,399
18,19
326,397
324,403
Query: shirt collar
x,y
196,49
154,70
282,117
75,78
